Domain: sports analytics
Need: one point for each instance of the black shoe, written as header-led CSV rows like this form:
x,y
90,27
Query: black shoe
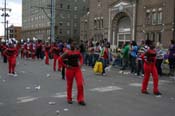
x,y
158,93
69,102
145,92
82,103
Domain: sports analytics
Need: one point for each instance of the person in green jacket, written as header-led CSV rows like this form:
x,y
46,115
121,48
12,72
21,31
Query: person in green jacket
x,y
125,52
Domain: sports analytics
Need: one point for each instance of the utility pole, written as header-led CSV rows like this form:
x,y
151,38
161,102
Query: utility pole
x,y
7,30
51,18
5,15
52,21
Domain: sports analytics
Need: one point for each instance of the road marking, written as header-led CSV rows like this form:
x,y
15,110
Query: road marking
x,y
62,94
135,84
26,99
161,82
106,89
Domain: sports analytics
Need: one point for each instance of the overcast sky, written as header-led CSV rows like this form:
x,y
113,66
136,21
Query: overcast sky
x,y
15,15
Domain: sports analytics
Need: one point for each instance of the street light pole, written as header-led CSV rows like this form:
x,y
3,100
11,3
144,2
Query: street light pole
x,y
52,39
5,20
51,18
5,15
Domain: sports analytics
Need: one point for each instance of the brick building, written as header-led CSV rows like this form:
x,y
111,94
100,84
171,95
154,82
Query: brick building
x,y
14,32
125,20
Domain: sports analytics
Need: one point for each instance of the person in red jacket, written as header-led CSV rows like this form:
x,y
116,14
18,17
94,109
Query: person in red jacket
x,y
56,53
11,53
149,59
73,70
47,49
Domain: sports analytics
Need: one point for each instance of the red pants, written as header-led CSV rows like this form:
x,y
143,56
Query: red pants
x,y
33,54
150,69
27,54
47,57
55,59
70,74
22,54
12,64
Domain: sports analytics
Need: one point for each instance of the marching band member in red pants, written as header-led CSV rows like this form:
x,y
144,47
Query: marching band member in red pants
x,y
56,53
73,70
33,49
149,59
47,49
11,53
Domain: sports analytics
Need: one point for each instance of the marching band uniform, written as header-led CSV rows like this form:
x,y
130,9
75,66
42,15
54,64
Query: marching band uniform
x,y
56,52
11,53
149,59
47,49
73,70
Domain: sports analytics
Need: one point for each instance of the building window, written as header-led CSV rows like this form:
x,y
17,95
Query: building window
x,y
160,17
61,23
102,23
75,8
159,37
68,24
147,36
61,31
99,24
154,18
148,17
68,32
68,6
61,5
95,24
152,36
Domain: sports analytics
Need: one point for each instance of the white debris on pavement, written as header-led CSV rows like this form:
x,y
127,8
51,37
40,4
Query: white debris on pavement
x,y
22,72
126,73
51,103
120,72
108,68
48,75
158,96
28,88
66,109
38,87
58,112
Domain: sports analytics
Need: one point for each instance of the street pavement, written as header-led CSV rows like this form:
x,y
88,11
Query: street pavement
x,y
38,91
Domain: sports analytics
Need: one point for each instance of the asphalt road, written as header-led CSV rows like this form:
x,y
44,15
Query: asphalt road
x,y
38,91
